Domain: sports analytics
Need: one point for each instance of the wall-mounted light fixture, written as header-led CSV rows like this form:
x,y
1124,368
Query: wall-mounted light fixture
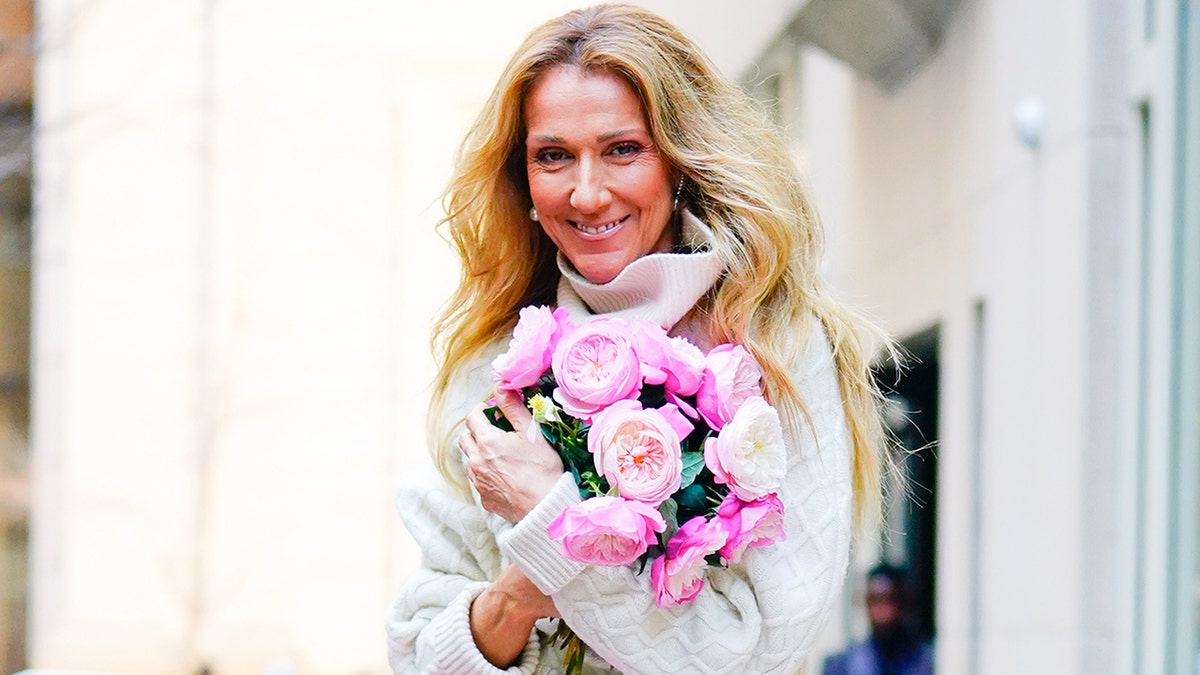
x,y
1030,118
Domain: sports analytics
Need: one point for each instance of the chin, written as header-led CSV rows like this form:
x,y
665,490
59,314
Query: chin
x,y
601,277
601,271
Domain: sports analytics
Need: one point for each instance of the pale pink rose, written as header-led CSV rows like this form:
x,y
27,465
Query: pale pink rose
x,y
673,362
677,576
730,377
749,524
749,454
595,365
637,451
608,531
537,333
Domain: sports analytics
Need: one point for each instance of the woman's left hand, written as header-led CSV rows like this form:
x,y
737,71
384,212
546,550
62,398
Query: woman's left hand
x,y
511,470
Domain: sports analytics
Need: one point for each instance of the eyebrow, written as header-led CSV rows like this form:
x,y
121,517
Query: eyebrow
x,y
599,139
613,134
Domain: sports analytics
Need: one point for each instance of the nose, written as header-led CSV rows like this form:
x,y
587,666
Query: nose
x,y
590,194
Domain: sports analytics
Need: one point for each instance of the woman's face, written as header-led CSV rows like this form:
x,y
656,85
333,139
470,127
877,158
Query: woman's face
x,y
600,187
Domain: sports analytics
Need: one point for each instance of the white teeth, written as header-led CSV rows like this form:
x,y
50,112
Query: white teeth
x,y
597,230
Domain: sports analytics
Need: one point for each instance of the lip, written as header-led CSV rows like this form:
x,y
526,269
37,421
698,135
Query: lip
x,y
598,229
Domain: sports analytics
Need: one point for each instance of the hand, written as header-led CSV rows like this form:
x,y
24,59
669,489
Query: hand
x,y
511,470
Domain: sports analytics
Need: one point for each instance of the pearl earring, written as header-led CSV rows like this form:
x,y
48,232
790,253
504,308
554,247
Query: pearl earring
x,y
533,214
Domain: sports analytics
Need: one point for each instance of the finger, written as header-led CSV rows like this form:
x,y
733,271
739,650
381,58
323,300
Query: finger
x,y
478,423
512,404
466,446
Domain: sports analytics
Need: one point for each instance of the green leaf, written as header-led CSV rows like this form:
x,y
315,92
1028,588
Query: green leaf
x,y
693,464
670,513
497,418
692,499
550,434
583,494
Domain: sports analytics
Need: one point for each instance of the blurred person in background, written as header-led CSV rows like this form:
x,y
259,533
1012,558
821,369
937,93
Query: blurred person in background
x,y
615,172
895,647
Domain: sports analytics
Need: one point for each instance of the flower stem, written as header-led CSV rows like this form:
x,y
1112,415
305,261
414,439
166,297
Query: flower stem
x,y
572,646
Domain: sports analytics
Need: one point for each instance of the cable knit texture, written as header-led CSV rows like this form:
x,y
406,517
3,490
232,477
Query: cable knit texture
x,y
759,616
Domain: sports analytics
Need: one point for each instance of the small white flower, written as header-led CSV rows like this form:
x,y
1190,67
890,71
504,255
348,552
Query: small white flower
x,y
543,408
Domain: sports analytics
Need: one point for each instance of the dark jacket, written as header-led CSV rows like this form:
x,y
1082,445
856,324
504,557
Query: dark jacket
x,y
864,658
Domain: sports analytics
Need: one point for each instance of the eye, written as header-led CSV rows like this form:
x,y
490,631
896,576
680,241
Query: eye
x,y
625,149
551,156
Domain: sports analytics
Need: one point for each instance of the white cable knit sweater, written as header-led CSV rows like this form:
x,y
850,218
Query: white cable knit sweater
x,y
759,616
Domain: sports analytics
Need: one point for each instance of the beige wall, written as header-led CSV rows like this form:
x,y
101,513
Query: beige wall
x,y
934,205
236,268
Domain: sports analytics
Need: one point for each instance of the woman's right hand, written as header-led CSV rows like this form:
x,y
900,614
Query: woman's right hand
x,y
503,615
511,470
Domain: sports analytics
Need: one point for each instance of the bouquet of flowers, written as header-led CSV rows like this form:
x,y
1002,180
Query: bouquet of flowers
x,y
676,453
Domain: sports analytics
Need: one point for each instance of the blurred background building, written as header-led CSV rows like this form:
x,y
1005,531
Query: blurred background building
x,y
233,259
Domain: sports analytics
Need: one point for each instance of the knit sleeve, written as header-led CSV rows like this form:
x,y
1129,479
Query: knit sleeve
x,y
429,629
762,615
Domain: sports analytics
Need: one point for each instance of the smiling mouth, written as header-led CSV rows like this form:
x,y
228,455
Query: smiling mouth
x,y
597,229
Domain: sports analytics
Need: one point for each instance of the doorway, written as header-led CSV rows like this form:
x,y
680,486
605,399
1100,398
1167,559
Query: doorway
x,y
910,513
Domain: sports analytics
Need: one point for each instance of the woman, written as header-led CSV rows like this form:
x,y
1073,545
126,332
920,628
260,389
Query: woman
x,y
614,171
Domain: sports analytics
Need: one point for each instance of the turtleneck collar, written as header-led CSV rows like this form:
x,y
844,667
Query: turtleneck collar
x,y
659,287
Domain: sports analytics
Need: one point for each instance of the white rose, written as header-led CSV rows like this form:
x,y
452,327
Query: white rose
x,y
749,455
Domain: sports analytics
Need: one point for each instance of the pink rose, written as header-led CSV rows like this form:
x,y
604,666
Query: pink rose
x,y
533,341
673,362
730,377
749,454
678,421
637,451
678,575
608,531
749,524
595,365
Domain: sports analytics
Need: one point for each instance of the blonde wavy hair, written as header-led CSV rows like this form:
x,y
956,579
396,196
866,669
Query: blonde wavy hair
x,y
739,179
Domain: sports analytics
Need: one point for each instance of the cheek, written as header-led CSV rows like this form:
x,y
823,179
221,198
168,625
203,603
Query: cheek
x,y
537,189
548,231
546,189
653,187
